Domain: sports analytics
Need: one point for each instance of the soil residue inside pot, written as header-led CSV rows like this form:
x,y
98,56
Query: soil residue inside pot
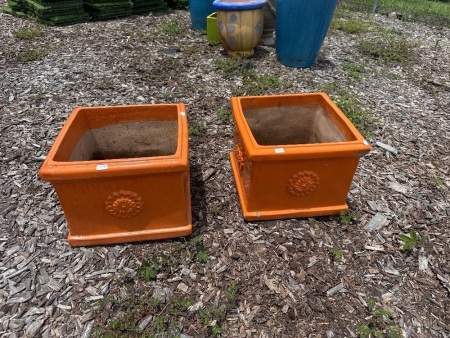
x,y
283,125
128,140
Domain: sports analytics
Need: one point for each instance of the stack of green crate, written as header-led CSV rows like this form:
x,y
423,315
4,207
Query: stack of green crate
x,y
108,9
56,12
15,7
178,4
142,7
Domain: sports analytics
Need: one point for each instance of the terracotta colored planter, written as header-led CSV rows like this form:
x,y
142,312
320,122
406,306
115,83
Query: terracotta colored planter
x,y
294,155
121,173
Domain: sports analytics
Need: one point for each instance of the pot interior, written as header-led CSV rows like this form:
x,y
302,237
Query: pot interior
x,y
292,124
127,140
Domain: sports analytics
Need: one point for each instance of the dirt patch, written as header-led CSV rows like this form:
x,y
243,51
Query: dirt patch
x,y
128,140
283,125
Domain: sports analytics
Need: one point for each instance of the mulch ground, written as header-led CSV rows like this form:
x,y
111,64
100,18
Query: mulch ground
x,y
317,277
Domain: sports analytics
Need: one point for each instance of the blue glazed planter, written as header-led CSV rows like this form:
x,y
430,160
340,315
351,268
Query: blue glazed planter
x,y
199,10
301,27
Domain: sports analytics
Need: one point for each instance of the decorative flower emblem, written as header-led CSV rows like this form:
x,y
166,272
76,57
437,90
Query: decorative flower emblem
x,y
124,204
303,183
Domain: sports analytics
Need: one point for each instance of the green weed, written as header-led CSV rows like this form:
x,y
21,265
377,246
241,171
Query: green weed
x,y
38,97
253,83
202,254
390,49
380,313
27,33
258,84
156,303
212,324
166,93
31,55
337,253
231,67
213,317
105,84
192,49
440,182
364,331
414,7
160,324
149,269
164,69
172,30
346,217
393,76
126,324
224,114
166,315
123,326
351,26
355,112
232,291
135,308
381,324
180,307
201,251
142,38
216,208
196,129
197,240
354,70
412,240
395,332
437,45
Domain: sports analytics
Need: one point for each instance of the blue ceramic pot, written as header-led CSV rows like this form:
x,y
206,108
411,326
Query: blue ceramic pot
x,y
301,27
199,10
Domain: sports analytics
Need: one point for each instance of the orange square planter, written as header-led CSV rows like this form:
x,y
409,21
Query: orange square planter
x,y
294,155
121,173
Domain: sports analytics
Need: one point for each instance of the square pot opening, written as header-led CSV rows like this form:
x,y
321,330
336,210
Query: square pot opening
x,y
122,134
293,124
127,140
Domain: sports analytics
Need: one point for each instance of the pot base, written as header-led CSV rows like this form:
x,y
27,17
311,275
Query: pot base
x,y
135,236
263,215
240,54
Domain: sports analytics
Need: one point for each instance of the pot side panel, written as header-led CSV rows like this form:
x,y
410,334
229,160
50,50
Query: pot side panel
x,y
300,184
125,209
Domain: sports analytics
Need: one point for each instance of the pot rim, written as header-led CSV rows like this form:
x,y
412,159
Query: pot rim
x,y
240,5
52,170
358,146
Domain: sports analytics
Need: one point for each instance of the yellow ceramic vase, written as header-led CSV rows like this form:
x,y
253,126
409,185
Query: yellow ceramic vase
x,y
240,25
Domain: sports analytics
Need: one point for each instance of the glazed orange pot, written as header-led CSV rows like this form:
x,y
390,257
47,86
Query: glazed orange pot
x,y
294,155
121,173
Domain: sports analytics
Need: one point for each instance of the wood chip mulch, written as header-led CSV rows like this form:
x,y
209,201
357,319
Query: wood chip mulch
x,y
297,278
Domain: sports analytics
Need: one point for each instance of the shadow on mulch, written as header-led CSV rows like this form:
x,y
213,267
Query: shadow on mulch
x,y
198,201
